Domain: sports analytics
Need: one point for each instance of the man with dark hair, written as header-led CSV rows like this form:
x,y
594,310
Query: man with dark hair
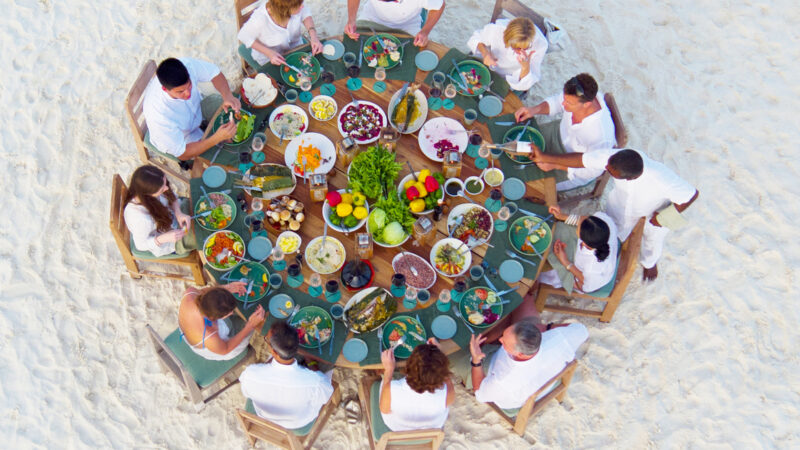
x,y
585,125
174,108
281,390
642,188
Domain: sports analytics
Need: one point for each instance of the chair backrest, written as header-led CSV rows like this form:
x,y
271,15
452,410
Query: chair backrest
x,y
619,127
427,439
172,362
117,218
134,107
515,8
244,8
629,255
258,428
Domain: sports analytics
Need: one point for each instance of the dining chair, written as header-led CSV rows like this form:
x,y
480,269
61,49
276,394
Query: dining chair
x,y
134,109
515,8
197,374
130,254
244,9
380,437
554,389
611,294
257,428
621,135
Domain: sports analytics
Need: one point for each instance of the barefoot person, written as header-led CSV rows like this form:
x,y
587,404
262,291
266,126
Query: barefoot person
x,y
415,17
585,125
208,325
642,188
277,27
174,108
514,49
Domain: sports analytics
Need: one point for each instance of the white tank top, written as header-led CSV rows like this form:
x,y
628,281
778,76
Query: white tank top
x,y
414,411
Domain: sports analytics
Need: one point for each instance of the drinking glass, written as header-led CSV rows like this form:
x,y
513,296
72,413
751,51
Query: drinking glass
x,y
305,84
504,213
484,152
443,301
438,80
290,95
259,139
275,281
380,73
257,204
410,302
315,285
423,295
476,272
349,59
469,115
450,90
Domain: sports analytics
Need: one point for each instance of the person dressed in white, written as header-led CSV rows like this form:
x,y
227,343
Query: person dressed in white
x,y
421,399
281,390
585,125
172,107
205,320
595,258
276,27
405,15
641,188
513,48
530,355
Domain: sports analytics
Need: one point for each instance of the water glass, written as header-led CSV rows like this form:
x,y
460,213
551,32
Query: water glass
x,y
315,285
332,292
504,213
423,295
278,263
443,302
470,115
380,73
304,83
438,80
349,59
259,139
450,90
290,95
257,204
275,281
476,273
410,302
337,311
512,208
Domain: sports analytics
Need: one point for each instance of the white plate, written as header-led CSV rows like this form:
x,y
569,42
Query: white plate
x,y
320,141
308,258
417,124
437,129
462,209
457,244
357,298
284,109
326,211
422,261
345,107
401,192
381,244
323,97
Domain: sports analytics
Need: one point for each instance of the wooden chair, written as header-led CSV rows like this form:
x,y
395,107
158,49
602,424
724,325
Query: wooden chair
x,y
196,373
122,237
515,8
244,9
555,388
429,439
629,254
134,109
256,427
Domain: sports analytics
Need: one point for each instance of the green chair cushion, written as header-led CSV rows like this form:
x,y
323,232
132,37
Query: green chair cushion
x,y
203,371
513,412
247,55
378,426
138,254
298,431
150,146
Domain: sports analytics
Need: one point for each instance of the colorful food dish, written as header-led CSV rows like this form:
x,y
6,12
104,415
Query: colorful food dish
x,y
476,75
530,134
288,242
399,107
313,325
390,222
526,236
255,276
363,122
285,213
245,122
221,209
421,191
383,50
451,257
288,121
481,307
308,64
345,211
403,333
369,309
273,180
419,274
472,224
318,151
442,134
222,250
325,257
323,108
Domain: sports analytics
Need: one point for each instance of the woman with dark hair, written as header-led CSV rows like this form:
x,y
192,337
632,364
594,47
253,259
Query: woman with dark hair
x,y
421,399
204,318
276,27
595,259
153,215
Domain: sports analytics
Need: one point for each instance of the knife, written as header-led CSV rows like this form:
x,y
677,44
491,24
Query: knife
x,y
252,188
505,124
491,285
296,69
360,50
294,311
502,293
319,343
524,128
463,88
416,336
330,350
202,214
249,289
463,78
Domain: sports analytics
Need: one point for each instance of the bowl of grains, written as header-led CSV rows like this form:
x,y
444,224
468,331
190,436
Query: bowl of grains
x,y
418,272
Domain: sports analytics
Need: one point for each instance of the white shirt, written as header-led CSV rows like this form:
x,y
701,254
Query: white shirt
x,y
260,26
491,36
655,188
400,15
595,132
143,229
414,411
509,383
288,395
597,274
173,122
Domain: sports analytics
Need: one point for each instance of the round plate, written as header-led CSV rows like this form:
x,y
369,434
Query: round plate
x,y
426,60
225,117
401,326
376,127
311,258
355,350
385,306
318,102
214,176
474,70
444,327
401,193
221,242
420,260
296,125
306,320
213,221
422,104
531,135
471,303
513,189
490,106
278,306
259,248
327,154
511,271
303,61
383,244
440,128
338,49
518,233
326,212
374,48
457,244
463,208
256,273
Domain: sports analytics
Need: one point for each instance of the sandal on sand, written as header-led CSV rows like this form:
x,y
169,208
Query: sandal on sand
x,y
352,410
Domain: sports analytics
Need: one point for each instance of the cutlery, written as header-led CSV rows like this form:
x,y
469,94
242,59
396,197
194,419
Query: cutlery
x,y
249,188
413,269
464,82
304,170
294,311
319,343
463,87
301,72
505,124
205,194
249,290
409,106
489,283
463,320
202,214
330,349
219,149
243,175
399,342
488,306
516,256
240,258
408,163
416,336
524,128
455,225
283,134
502,293
324,238
462,194
355,102
380,338
377,39
360,50
527,213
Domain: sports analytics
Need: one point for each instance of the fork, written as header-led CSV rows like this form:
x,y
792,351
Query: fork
x,y
463,320
380,338
516,256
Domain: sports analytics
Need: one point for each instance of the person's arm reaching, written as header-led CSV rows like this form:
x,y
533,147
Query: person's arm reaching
x,y
387,358
228,100
476,357
352,10
525,113
316,45
221,347
225,133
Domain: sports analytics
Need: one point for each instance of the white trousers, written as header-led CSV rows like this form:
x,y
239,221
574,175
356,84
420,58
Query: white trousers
x,y
652,244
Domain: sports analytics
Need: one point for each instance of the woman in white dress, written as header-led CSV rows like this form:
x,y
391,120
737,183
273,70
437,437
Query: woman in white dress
x,y
405,15
153,215
204,320
513,48
276,27
422,399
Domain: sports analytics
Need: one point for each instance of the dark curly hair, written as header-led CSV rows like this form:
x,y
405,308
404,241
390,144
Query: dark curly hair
x,y
427,369
216,303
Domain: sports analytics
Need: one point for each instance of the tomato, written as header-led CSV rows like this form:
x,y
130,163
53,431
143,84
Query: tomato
x,y
481,293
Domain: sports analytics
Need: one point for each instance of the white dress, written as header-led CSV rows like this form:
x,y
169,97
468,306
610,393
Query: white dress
x,y
143,229
491,36
414,411
400,15
261,27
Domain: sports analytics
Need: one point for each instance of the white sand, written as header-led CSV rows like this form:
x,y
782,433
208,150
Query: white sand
x,y
705,356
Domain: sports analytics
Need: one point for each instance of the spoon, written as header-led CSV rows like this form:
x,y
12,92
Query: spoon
x,y
324,238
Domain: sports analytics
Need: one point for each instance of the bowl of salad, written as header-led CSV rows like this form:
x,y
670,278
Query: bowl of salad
x,y
215,212
223,250
289,121
390,222
451,257
245,122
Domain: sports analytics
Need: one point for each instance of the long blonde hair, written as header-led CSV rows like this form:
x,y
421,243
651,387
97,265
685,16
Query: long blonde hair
x,y
282,9
519,33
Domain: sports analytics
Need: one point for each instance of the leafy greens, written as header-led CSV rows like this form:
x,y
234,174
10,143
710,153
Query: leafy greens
x,y
373,171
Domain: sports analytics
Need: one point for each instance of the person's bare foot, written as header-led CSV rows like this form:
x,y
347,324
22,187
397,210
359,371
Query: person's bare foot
x,y
650,274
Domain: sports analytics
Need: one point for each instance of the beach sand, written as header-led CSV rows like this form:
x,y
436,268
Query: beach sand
x,y
704,356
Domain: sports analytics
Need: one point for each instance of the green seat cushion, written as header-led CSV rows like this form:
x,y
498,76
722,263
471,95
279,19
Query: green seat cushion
x,y
298,431
150,146
138,254
513,412
203,371
247,55
378,426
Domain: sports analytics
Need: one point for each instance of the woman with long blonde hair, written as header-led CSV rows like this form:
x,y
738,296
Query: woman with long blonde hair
x,y
277,27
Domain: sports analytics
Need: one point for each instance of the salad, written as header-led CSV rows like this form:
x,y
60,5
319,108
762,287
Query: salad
x,y
444,145
390,222
220,208
372,171
223,249
475,223
288,123
450,259
310,322
382,50
481,307
245,122
402,334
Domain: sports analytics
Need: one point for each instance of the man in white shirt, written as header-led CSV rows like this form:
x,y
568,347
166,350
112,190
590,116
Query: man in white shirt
x,y
397,14
172,107
585,125
641,188
281,390
530,355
